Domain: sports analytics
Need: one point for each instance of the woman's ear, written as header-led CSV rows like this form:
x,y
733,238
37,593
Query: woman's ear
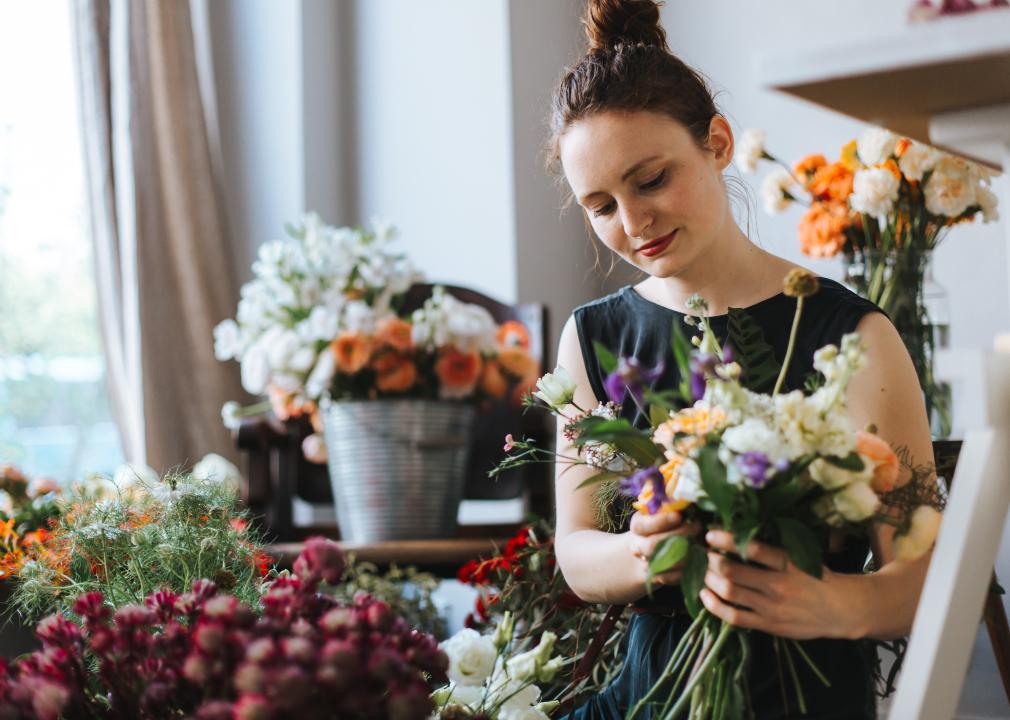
x,y
720,141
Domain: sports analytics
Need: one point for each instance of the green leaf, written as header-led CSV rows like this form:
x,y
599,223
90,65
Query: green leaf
x,y
608,363
682,354
742,537
777,498
598,478
713,480
851,462
693,578
755,356
801,543
624,436
657,415
670,551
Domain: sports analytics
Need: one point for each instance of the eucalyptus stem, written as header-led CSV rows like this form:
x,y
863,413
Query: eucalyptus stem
x,y
792,345
710,658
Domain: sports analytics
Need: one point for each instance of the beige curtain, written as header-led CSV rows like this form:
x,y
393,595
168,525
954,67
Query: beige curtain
x,y
164,262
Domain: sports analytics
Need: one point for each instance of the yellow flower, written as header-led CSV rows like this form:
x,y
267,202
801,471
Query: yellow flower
x,y
849,157
693,421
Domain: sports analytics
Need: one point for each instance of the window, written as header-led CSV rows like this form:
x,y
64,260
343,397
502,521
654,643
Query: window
x,y
54,411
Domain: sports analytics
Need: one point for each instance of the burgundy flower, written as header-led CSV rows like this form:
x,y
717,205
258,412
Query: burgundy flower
x,y
320,559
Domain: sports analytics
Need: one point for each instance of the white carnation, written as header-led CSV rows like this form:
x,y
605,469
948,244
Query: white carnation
x,y
749,150
951,188
917,160
775,190
471,657
875,145
874,191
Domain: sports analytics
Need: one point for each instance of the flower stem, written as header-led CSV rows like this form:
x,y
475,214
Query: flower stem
x,y
810,663
690,638
792,345
710,658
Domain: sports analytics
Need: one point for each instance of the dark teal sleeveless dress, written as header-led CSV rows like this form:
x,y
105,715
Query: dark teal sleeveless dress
x,y
629,325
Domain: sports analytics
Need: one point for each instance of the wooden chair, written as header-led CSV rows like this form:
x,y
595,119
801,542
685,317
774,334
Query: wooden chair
x,y
994,614
277,472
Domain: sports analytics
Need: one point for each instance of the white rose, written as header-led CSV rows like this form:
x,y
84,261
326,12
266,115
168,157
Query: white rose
x,y
917,160
856,502
832,477
951,188
218,469
874,191
227,340
319,379
921,534
775,190
987,201
556,389
875,145
749,150
471,657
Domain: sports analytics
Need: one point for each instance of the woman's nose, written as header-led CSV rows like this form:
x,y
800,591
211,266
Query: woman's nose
x,y
636,219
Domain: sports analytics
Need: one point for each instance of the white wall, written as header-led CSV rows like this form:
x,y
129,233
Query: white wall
x,y
723,38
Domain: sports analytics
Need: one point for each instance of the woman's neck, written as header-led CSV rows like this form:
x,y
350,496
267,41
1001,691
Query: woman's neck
x,y
737,273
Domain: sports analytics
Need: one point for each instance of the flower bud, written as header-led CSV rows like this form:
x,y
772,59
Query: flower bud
x,y
503,633
321,559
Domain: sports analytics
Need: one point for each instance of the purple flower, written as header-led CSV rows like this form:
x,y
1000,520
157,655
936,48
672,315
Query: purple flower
x,y
633,486
727,355
702,367
630,376
754,466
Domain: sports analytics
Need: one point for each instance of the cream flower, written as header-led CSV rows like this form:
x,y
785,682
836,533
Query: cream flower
x,y
218,469
775,190
856,502
987,201
832,477
556,389
227,340
749,150
231,415
951,188
917,160
471,657
875,145
921,534
874,191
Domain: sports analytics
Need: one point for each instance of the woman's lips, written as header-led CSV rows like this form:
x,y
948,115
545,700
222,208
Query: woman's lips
x,y
654,247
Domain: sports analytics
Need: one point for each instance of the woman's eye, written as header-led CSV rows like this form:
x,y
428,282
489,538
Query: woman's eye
x,y
655,182
605,210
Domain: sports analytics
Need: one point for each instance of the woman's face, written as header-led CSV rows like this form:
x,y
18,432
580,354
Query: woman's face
x,y
651,194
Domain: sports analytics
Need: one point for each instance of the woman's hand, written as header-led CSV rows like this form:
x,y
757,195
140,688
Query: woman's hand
x,y
647,531
776,597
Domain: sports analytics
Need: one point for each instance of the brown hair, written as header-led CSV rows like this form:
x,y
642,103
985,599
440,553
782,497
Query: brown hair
x,y
629,67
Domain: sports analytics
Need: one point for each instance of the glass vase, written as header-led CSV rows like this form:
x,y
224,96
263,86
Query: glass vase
x,y
901,283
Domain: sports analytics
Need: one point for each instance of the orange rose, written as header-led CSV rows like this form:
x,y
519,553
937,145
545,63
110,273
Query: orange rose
x,y
822,229
396,333
832,182
352,351
492,381
518,363
394,373
513,334
886,469
809,165
458,372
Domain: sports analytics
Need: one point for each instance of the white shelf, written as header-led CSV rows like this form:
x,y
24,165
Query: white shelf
x,y
910,81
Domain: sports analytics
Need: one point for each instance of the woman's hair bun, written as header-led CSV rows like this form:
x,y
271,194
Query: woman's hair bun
x,y
613,22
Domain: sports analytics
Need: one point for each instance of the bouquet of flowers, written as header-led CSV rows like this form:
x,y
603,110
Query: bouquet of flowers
x,y
729,449
524,581
203,653
489,679
324,316
26,509
885,205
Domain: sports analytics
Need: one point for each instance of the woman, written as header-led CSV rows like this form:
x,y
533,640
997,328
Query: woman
x,y
643,149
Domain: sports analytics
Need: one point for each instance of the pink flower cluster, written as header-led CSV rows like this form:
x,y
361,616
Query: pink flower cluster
x,y
203,654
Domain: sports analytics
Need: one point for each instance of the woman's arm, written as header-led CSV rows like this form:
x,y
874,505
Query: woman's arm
x,y
599,566
782,600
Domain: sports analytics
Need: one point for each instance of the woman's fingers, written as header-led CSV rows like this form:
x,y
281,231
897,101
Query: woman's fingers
x,y
644,545
771,557
642,524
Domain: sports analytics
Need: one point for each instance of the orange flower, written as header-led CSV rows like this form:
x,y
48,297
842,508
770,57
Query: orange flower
x,y
513,334
287,405
458,372
902,145
809,165
518,363
352,351
526,385
885,463
492,381
891,165
850,156
832,182
394,373
396,333
822,229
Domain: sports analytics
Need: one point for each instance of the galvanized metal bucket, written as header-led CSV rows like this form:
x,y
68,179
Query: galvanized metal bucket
x,y
397,466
